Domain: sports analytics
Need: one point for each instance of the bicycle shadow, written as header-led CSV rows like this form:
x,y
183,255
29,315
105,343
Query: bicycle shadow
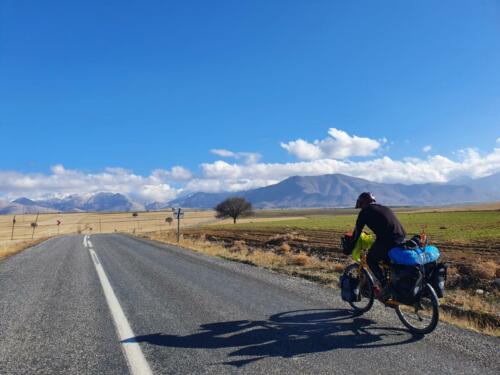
x,y
286,335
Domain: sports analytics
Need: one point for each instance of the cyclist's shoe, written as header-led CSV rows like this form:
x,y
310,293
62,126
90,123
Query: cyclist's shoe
x,y
382,294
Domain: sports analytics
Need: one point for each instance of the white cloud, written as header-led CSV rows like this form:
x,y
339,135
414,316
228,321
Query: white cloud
x,y
427,148
339,145
246,171
62,182
302,149
247,157
223,152
498,141
220,175
176,174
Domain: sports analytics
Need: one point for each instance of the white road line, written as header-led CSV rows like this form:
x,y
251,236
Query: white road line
x,y
135,358
89,244
85,241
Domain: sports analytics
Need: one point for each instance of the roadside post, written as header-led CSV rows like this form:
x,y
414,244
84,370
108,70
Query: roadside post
x,y
34,225
13,224
178,214
58,223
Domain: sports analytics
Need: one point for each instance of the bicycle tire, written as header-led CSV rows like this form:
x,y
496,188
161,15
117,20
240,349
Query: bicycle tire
x,y
429,293
366,291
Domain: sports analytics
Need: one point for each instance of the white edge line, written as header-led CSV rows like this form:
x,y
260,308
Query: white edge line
x,y
135,358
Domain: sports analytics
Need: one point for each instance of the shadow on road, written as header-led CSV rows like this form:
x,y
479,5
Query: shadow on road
x,y
286,335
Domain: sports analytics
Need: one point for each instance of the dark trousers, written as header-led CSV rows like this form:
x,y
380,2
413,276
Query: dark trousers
x,y
378,253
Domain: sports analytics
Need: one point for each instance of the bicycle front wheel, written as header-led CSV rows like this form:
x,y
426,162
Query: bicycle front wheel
x,y
365,288
423,316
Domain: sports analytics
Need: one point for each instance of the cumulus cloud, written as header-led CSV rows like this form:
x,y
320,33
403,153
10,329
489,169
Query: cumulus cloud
x,y
246,171
176,173
339,145
220,175
62,182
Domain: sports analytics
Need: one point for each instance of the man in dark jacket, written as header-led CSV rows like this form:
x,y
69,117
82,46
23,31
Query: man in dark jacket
x,y
388,231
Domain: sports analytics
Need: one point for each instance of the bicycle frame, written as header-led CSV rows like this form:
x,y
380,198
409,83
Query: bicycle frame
x,y
363,264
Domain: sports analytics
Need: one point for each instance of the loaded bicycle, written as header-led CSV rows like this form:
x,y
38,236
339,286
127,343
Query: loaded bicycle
x,y
415,279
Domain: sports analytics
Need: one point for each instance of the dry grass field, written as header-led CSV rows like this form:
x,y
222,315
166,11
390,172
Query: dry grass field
x,y
95,223
13,240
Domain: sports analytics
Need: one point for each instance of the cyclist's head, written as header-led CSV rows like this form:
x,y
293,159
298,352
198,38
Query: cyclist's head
x,y
365,199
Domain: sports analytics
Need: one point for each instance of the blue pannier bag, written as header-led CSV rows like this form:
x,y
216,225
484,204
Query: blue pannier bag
x,y
413,257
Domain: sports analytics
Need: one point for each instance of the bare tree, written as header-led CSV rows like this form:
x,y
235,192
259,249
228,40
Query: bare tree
x,y
233,207
169,220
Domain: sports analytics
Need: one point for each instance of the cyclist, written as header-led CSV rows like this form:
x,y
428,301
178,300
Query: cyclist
x,y
388,231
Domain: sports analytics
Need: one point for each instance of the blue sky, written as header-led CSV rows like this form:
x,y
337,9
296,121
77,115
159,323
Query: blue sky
x,y
150,85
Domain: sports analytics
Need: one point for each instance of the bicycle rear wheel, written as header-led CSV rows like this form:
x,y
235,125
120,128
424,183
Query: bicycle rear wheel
x,y
365,286
423,316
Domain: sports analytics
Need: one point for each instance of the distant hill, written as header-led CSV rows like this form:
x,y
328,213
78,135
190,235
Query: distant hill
x,y
100,202
333,190
11,208
200,200
337,190
489,183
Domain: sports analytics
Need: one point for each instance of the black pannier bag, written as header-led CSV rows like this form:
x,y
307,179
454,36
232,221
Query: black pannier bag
x,y
349,287
406,283
438,279
435,274
347,244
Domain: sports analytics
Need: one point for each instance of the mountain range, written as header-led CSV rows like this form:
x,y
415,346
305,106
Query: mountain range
x,y
333,190
337,190
100,202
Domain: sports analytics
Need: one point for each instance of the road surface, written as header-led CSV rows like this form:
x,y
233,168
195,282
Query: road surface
x,y
113,304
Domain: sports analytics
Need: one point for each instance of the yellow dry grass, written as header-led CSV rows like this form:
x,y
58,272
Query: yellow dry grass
x,y
96,223
92,222
467,323
300,264
468,301
486,270
8,248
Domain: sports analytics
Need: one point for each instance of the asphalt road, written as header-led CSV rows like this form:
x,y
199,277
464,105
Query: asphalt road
x,y
187,313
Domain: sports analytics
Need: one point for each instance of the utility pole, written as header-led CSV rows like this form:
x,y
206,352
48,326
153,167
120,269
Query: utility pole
x,y
179,214
13,224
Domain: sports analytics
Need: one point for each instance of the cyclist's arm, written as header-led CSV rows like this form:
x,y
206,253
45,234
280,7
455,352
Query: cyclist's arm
x,y
360,224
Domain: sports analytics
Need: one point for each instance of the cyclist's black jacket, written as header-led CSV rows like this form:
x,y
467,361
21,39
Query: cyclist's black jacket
x,y
383,222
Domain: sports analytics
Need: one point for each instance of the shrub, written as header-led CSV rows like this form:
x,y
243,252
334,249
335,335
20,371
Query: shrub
x,y
283,249
481,270
300,259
